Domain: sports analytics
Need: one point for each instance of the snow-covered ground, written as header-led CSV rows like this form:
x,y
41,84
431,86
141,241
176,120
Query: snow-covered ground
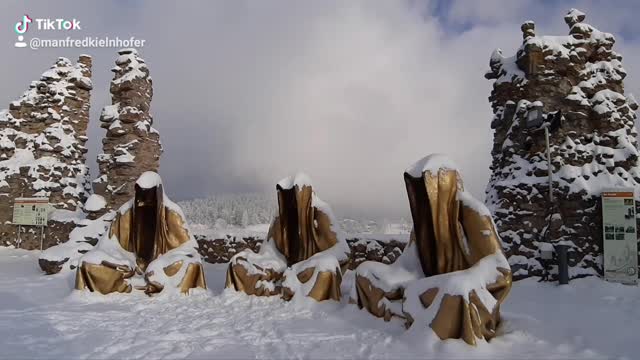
x,y
41,317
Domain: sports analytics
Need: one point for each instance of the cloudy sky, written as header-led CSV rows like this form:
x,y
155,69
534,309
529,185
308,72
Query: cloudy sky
x,y
351,92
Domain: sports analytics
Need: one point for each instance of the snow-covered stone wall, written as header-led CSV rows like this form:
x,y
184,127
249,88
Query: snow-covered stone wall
x,y
582,76
42,150
380,248
131,146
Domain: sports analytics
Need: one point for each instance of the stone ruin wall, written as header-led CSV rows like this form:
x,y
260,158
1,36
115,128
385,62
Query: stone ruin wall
x,y
220,250
43,152
582,76
131,145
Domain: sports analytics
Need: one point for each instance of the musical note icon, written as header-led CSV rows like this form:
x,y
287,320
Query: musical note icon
x,y
22,26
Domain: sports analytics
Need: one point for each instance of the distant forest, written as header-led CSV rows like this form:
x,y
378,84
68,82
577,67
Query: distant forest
x,y
252,208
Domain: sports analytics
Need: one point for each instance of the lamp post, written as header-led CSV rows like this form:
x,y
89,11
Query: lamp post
x,y
546,138
538,121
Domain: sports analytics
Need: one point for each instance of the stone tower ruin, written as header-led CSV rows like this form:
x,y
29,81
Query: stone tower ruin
x,y
582,76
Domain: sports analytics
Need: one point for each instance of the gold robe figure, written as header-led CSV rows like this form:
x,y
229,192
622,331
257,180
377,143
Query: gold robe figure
x,y
452,276
302,252
148,247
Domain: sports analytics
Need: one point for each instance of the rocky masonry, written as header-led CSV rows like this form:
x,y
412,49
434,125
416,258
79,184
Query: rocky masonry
x,y
220,250
131,146
581,76
367,249
42,150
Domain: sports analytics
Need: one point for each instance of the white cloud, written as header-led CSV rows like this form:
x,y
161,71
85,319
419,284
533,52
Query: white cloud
x,y
351,92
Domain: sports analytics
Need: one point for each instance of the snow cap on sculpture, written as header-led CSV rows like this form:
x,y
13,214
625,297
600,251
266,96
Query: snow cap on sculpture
x,y
148,180
300,179
432,163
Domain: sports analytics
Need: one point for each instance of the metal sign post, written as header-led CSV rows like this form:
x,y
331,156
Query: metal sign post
x,y
41,236
31,211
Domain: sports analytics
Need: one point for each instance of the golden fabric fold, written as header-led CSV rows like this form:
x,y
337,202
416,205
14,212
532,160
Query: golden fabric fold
x,y
326,285
370,298
193,278
101,278
144,229
239,278
470,320
300,231
452,235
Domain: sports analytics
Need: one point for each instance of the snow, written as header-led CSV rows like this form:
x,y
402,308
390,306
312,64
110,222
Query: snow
x,y
575,14
5,115
267,258
58,137
186,253
95,202
432,163
369,237
124,158
578,95
476,278
115,125
148,180
77,244
469,201
41,317
110,112
109,249
64,216
321,262
135,67
508,70
630,99
394,276
300,179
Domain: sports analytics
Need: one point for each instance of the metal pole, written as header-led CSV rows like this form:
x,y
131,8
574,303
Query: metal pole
x,y
546,136
41,237
563,264
19,226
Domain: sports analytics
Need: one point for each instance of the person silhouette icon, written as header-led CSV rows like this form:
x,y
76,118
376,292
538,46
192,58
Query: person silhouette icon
x,y
20,43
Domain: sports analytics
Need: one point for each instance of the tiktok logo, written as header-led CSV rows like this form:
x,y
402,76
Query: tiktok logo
x,y
20,28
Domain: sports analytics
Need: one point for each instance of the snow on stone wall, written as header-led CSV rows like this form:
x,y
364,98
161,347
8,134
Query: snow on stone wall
x,y
42,149
131,146
582,76
363,247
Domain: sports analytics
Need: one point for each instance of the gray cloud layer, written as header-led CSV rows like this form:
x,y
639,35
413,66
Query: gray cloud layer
x,y
351,92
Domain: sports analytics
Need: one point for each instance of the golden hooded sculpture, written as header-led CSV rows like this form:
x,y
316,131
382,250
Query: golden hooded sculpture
x,y
452,276
148,247
303,253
